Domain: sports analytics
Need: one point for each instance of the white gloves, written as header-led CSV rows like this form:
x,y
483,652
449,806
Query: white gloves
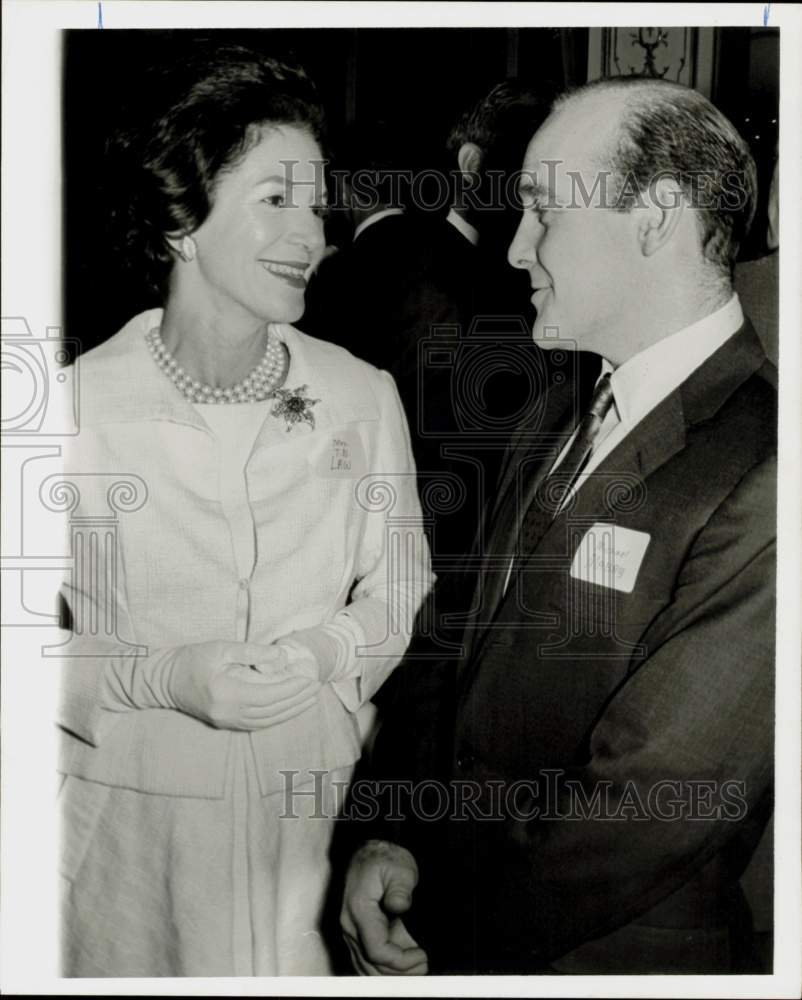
x,y
319,653
215,682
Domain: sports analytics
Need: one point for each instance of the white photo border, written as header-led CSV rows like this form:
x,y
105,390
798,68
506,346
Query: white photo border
x,y
31,287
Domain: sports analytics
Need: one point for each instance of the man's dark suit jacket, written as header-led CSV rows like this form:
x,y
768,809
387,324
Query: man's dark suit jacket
x,y
757,283
661,695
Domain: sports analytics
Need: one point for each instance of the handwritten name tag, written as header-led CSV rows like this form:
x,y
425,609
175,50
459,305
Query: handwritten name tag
x,y
610,556
342,457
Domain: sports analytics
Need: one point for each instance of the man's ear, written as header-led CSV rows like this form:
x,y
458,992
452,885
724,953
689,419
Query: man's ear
x,y
469,158
664,209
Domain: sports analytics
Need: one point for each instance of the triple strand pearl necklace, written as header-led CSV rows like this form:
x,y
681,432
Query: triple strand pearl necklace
x,y
260,384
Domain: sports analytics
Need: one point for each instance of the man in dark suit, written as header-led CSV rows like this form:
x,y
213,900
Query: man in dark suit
x,y
608,769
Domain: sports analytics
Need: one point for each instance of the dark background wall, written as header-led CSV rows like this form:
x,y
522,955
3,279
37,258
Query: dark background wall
x,y
418,80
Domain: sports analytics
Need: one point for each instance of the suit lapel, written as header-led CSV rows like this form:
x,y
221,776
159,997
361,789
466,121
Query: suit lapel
x,y
618,479
541,437
534,447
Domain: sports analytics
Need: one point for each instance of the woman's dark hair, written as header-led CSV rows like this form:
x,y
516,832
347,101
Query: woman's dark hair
x,y
164,166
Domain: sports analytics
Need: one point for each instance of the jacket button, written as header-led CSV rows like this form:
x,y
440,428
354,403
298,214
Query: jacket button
x,y
466,760
244,584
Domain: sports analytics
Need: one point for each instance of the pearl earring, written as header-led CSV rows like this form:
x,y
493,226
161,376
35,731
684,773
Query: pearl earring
x,y
187,249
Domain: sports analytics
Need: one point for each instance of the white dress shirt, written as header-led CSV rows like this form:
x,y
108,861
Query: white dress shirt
x,y
647,378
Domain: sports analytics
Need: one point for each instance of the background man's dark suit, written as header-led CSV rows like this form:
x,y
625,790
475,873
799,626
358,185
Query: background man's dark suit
x,y
671,682
385,297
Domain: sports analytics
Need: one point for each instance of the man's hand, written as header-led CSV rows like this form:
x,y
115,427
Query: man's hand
x,y
378,888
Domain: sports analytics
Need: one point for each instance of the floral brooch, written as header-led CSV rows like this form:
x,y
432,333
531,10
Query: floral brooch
x,y
294,406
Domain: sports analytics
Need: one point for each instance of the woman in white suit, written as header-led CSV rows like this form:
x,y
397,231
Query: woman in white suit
x,y
266,576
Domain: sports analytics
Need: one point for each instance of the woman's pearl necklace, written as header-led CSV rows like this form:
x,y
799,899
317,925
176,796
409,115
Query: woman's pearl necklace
x,y
258,385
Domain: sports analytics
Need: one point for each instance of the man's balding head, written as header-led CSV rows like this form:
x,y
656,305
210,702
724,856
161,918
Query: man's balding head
x,y
655,129
636,196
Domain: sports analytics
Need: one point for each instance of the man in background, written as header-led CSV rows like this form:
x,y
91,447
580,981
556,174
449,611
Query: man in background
x,y
429,297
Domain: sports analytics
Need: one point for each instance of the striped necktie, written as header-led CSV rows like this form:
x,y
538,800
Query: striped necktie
x,y
554,488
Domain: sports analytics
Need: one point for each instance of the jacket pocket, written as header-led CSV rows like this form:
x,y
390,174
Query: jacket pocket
x,y
158,751
82,805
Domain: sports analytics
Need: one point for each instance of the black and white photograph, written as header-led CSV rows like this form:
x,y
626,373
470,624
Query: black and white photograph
x,y
401,499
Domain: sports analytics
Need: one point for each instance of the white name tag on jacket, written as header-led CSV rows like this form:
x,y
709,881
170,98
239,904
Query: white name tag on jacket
x,y
342,457
610,556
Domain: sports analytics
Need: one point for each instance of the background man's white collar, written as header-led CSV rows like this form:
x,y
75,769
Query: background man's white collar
x,y
383,214
471,233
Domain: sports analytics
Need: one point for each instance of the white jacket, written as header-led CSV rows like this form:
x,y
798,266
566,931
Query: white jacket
x,y
332,514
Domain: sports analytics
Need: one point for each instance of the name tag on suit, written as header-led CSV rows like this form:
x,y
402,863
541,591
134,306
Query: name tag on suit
x,y
610,556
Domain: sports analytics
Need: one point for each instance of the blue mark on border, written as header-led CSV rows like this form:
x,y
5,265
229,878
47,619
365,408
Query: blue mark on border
x,y
99,14
766,9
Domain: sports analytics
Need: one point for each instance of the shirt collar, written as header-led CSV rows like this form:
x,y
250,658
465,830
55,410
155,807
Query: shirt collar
x,y
384,214
471,233
647,378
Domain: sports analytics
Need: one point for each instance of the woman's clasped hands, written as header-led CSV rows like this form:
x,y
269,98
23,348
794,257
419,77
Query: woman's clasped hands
x,y
240,685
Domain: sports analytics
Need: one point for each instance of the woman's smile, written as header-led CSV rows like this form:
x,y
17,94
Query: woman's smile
x,y
294,273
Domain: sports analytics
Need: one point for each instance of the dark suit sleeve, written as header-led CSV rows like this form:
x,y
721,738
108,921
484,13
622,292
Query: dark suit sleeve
x,y
697,708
